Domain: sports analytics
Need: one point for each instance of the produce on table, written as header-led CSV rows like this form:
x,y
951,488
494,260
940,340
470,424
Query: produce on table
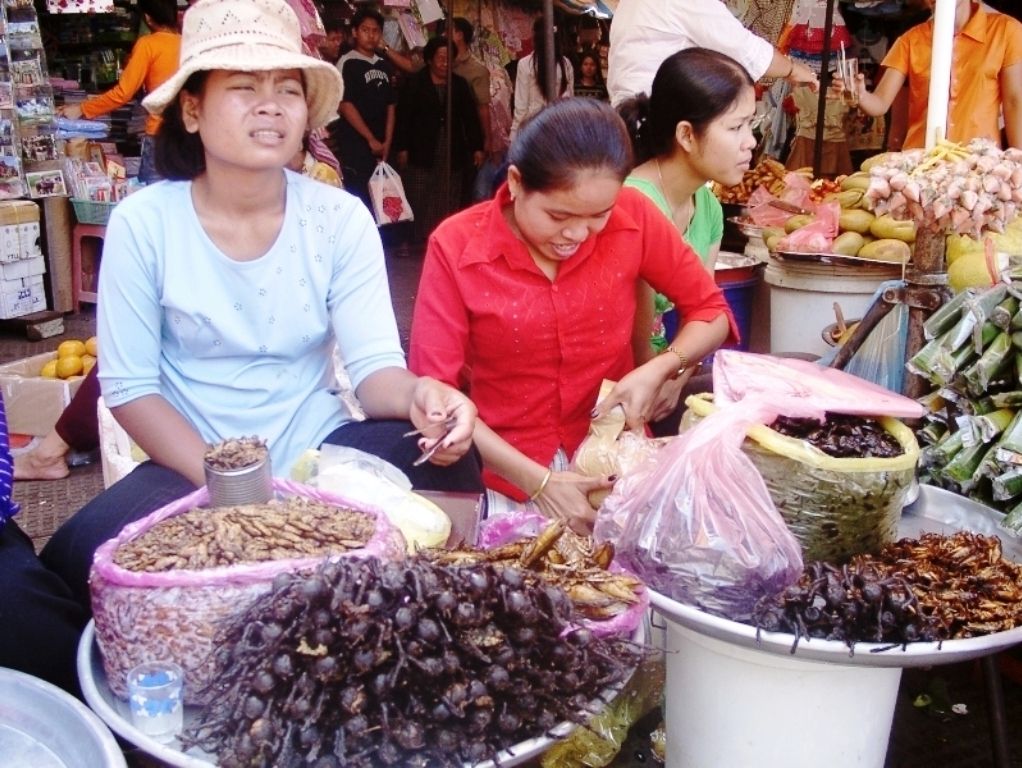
x,y
364,663
251,533
929,589
973,432
886,250
74,358
767,173
950,188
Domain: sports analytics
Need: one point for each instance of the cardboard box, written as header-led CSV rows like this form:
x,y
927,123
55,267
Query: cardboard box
x,y
23,268
34,404
18,211
24,301
19,241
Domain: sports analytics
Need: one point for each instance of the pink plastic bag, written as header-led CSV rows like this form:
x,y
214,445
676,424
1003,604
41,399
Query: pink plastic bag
x,y
172,615
697,524
816,237
520,524
737,375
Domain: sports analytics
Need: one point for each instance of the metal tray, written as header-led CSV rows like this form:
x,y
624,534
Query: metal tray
x,y
114,712
935,510
834,259
42,726
746,227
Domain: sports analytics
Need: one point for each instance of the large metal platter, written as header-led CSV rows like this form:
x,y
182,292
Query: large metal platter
x,y
833,259
936,511
42,726
114,712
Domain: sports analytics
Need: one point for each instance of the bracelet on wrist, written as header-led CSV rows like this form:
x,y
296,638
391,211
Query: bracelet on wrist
x,y
542,485
791,68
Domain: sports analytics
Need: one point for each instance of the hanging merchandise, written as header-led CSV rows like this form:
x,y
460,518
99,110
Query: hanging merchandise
x,y
390,205
29,150
79,6
429,11
412,30
804,33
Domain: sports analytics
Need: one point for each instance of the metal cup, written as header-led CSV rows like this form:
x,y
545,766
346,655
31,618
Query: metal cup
x,y
232,487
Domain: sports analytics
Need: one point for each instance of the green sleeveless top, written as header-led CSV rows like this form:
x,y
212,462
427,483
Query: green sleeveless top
x,y
706,228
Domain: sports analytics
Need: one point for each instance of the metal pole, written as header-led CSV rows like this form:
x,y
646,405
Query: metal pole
x,y
552,81
821,102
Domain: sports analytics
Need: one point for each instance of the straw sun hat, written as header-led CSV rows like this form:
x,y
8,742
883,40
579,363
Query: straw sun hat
x,y
249,36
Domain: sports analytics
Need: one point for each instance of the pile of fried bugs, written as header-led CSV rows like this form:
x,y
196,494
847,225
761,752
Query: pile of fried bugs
x,y
858,602
842,436
363,663
934,588
962,579
235,453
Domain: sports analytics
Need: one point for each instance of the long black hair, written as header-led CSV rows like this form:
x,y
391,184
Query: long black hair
x,y
177,153
566,138
695,85
539,32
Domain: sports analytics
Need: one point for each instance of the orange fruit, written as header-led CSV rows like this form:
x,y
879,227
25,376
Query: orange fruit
x,y
92,346
49,370
87,362
68,366
71,348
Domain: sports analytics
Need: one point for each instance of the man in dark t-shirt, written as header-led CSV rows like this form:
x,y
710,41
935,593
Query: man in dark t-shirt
x,y
364,131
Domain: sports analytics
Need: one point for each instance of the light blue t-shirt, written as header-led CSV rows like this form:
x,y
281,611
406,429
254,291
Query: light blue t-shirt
x,y
244,348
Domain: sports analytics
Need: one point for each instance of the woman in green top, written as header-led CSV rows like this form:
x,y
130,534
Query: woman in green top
x,y
695,126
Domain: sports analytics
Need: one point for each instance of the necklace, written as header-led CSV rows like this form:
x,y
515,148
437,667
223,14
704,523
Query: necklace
x,y
675,209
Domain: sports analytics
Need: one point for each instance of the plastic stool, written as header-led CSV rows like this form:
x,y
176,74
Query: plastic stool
x,y
80,233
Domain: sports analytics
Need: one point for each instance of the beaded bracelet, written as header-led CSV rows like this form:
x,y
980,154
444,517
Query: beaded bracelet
x,y
542,486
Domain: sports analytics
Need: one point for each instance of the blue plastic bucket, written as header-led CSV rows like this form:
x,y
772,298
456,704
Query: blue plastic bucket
x,y
739,295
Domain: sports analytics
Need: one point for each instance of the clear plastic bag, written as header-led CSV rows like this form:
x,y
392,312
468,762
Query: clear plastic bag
x,y
697,523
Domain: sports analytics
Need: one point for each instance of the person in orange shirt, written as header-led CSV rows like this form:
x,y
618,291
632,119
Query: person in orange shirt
x,y
153,59
986,77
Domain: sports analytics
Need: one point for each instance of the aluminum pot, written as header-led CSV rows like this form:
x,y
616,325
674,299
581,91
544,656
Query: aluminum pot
x,y
42,726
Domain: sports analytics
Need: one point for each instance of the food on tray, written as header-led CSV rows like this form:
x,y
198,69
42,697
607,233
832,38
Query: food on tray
x,y
937,587
401,664
886,250
562,558
767,172
950,188
213,538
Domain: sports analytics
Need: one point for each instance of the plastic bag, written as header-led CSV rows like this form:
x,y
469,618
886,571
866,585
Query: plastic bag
x,y
387,193
817,236
697,523
737,375
173,614
610,449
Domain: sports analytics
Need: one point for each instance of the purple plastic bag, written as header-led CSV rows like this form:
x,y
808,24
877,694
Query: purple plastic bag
x,y
696,522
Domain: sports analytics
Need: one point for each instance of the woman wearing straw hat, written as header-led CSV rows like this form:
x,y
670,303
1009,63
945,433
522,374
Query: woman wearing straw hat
x,y
225,288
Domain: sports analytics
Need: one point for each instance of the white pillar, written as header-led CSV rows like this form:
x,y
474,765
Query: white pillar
x,y
940,71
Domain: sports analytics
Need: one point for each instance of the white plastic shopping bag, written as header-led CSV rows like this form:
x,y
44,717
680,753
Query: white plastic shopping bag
x,y
388,195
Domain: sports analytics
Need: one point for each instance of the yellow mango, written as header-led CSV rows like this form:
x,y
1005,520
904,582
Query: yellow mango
x,y
848,243
855,221
846,198
956,246
869,162
797,221
773,240
858,180
887,227
886,250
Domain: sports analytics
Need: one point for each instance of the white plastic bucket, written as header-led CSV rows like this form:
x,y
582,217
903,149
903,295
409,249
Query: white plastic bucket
x,y
802,297
741,708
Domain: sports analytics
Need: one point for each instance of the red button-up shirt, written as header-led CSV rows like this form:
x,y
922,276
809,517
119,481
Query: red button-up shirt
x,y
531,352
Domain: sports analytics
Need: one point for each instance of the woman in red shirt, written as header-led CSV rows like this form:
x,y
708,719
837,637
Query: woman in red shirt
x,y
527,303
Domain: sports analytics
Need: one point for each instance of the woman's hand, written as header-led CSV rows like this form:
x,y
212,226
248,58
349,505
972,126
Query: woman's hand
x,y
433,402
667,398
70,111
637,394
566,497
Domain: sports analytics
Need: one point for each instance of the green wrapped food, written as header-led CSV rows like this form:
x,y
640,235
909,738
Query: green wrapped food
x,y
836,508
